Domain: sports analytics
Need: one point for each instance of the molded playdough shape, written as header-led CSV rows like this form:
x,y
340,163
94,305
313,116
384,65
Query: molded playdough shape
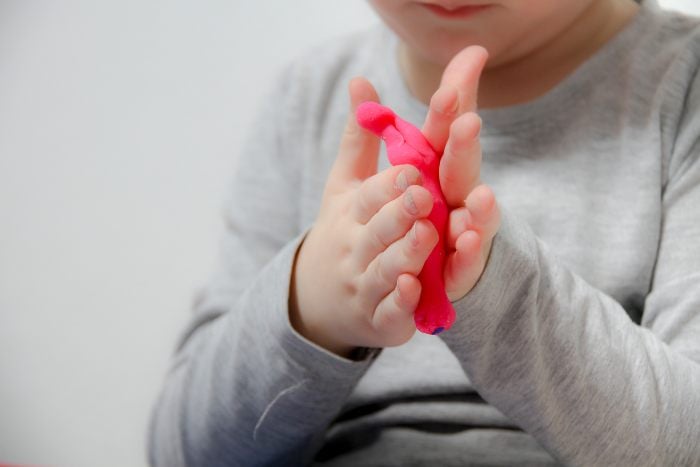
x,y
406,144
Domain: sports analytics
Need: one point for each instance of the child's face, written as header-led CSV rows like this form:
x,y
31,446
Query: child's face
x,y
508,29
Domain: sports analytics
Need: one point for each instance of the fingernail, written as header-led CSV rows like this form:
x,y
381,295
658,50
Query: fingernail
x,y
409,203
401,181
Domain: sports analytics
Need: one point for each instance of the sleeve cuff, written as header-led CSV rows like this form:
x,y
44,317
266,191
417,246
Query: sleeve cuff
x,y
313,359
509,270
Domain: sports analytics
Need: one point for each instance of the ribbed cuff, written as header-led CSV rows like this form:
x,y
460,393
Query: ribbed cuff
x,y
312,358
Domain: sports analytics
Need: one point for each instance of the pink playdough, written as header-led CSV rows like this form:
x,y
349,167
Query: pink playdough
x,y
406,144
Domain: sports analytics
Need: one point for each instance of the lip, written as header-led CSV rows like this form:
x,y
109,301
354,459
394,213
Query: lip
x,y
454,13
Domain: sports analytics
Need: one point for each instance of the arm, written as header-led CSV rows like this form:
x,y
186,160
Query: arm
x,y
565,361
244,388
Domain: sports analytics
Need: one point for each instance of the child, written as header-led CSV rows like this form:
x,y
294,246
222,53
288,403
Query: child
x,y
574,267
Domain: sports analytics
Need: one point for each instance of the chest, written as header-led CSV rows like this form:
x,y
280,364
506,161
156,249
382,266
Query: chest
x,y
596,207
593,203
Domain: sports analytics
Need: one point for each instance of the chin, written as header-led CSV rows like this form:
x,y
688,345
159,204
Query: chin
x,y
440,52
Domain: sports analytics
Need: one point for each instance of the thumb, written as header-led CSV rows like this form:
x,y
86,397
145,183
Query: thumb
x,y
359,149
456,95
463,73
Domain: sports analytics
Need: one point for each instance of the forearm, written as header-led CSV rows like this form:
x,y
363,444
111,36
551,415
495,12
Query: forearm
x,y
565,361
248,389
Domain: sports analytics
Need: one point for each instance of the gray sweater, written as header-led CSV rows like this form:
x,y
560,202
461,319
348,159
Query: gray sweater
x,y
580,344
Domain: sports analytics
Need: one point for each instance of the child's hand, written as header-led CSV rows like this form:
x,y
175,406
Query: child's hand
x,y
470,233
452,124
354,282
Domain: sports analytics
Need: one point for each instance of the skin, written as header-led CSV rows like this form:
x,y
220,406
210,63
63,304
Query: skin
x,y
354,280
405,144
539,42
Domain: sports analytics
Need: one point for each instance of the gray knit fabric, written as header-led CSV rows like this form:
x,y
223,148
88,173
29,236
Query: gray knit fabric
x,y
579,345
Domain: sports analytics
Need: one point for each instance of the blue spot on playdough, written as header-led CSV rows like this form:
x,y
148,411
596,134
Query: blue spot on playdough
x,y
438,330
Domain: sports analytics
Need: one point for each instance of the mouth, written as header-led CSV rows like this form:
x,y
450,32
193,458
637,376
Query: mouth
x,y
456,12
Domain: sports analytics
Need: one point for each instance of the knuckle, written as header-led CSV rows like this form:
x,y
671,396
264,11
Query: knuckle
x,y
376,239
380,270
351,287
352,129
412,257
347,264
410,244
453,177
362,202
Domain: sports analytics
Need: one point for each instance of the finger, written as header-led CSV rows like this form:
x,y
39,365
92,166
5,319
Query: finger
x,y
460,165
359,149
463,72
463,266
379,189
392,222
484,211
458,223
485,220
441,113
406,255
457,94
393,317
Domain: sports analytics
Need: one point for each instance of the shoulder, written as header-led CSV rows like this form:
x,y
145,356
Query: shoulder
x,y
679,40
665,64
665,46
671,41
670,46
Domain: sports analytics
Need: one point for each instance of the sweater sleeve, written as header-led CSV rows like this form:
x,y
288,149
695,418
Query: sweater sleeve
x,y
565,361
244,388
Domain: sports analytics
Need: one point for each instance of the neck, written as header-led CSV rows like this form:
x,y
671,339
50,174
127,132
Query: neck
x,y
510,81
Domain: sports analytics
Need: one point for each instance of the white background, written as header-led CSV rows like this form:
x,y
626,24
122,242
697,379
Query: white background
x,y
119,123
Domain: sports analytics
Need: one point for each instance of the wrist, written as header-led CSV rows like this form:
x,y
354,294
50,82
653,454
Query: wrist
x,y
318,337
301,319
